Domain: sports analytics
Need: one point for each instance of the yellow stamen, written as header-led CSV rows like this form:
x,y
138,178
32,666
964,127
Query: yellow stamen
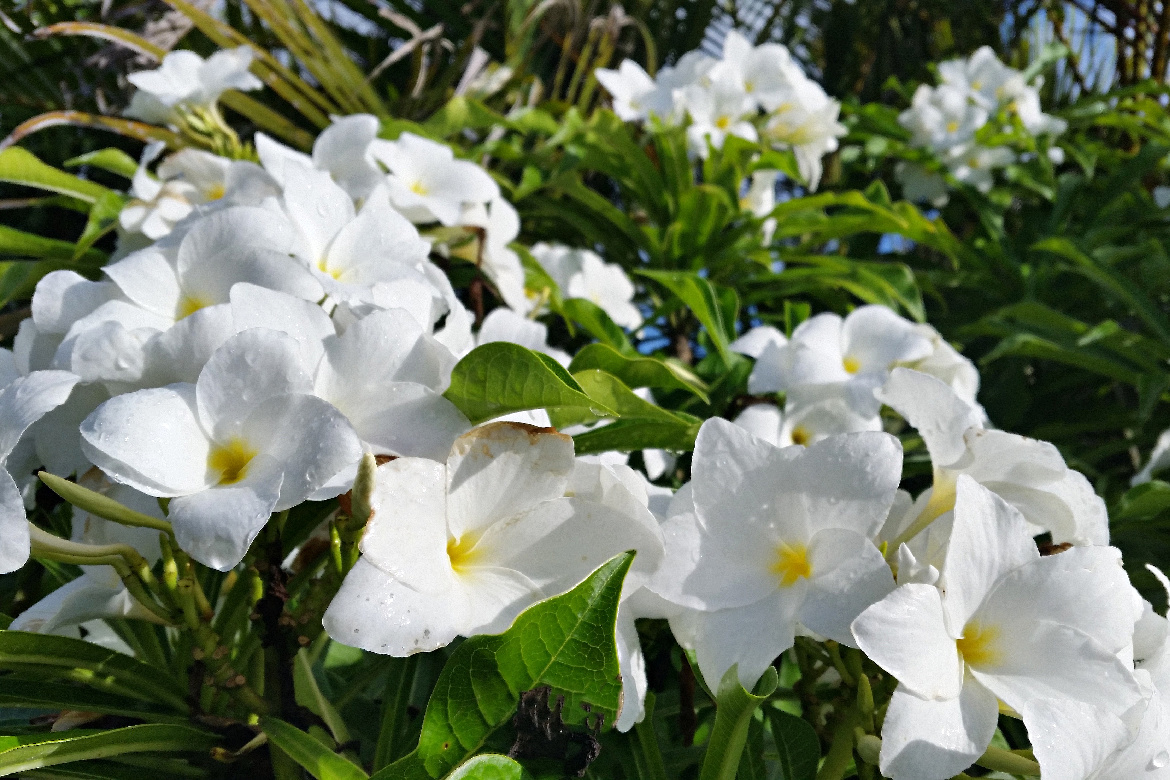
x,y
188,305
419,188
791,564
215,191
801,435
462,551
852,365
230,461
723,122
979,645
952,126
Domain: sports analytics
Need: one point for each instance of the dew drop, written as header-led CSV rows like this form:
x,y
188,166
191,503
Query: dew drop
x,y
1160,760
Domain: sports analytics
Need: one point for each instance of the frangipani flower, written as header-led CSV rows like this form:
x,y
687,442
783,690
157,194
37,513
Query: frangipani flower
x,y
775,541
185,180
1006,625
23,401
427,183
1031,475
805,118
855,354
462,548
717,110
767,70
342,150
246,440
806,423
629,86
581,273
184,79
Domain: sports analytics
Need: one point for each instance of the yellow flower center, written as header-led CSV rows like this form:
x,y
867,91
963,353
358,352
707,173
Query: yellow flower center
x,y
801,435
230,461
976,85
851,364
979,645
952,126
462,551
323,267
723,122
215,192
188,305
419,188
791,564
749,86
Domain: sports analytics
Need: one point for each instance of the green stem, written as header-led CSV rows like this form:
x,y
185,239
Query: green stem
x,y
840,753
734,708
395,699
648,742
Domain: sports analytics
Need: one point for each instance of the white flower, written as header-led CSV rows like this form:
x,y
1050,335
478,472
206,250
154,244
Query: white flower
x,y
1158,460
982,76
580,273
500,224
1029,474
775,541
343,150
767,71
854,354
1007,626
462,548
427,183
806,119
805,423
717,110
23,401
186,79
941,118
975,165
246,440
187,179
945,363
629,86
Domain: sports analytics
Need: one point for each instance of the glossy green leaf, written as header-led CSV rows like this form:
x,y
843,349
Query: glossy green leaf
x,y
64,659
103,217
501,378
636,434
597,324
489,766
797,744
43,695
567,642
308,694
1146,500
111,159
20,754
19,166
639,371
734,708
305,749
17,243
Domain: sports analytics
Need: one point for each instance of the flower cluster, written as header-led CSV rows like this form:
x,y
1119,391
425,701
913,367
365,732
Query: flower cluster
x,y
948,121
753,93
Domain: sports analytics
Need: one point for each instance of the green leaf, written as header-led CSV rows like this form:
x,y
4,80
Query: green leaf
x,y
734,708
20,754
44,695
567,642
1144,500
597,324
318,760
20,166
111,159
308,694
17,243
501,378
609,391
103,218
797,744
639,371
700,297
630,435
489,766
62,658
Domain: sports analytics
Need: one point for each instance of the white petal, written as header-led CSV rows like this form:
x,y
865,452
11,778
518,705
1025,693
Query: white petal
x,y
150,440
250,367
232,231
341,150
989,538
310,439
377,613
14,539
500,470
1071,739
905,633
216,526
934,409
210,280
57,435
407,536
755,341
28,399
403,418
849,481
849,575
751,636
762,421
877,339
149,279
180,352
63,297
934,740
258,307
274,156
318,208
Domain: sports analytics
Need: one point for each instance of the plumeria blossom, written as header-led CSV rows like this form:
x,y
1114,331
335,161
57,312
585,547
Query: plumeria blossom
x,y
23,401
185,180
184,79
806,121
718,109
247,439
343,150
975,165
854,354
427,183
1005,625
629,86
767,71
461,548
774,541
580,273
1029,474
806,423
